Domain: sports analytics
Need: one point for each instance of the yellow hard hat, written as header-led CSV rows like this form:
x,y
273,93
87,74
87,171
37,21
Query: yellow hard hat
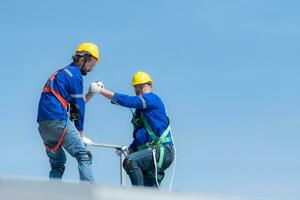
x,y
141,78
90,48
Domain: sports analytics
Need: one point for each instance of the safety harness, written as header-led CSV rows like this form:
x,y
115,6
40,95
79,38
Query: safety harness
x,y
157,142
49,89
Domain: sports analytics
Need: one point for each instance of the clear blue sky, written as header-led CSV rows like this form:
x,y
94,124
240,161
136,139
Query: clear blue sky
x,y
228,72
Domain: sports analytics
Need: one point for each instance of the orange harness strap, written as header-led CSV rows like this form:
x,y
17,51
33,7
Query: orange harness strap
x,y
56,147
48,89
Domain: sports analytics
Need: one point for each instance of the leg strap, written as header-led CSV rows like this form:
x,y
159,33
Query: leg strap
x,y
61,139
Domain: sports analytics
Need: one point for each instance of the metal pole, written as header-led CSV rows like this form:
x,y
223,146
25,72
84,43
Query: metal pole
x,y
121,170
107,145
117,147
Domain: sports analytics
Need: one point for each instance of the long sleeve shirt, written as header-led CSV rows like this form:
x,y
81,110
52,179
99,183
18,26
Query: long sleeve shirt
x,y
154,111
69,84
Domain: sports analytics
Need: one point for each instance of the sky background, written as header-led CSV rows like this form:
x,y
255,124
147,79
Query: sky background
x,y
227,71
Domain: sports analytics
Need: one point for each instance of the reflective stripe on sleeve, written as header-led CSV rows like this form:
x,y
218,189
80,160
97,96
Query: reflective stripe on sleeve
x,y
143,101
76,96
68,72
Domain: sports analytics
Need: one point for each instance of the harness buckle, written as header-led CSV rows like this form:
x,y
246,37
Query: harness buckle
x,y
154,144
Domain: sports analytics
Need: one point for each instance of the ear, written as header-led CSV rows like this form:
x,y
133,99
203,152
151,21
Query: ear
x,y
80,62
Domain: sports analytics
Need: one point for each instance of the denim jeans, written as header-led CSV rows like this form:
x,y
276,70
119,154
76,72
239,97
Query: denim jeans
x,y
140,166
50,131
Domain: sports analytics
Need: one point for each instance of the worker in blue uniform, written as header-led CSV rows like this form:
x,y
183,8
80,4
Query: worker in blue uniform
x,y
151,151
61,113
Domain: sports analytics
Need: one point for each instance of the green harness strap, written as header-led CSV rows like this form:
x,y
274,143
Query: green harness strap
x,y
156,142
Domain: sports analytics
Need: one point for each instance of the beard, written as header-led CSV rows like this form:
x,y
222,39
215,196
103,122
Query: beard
x,y
83,71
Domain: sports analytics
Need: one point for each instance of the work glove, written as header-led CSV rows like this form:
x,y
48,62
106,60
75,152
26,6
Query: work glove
x,y
86,140
124,150
95,87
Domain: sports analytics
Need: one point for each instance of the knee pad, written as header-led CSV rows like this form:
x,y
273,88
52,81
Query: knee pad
x,y
128,164
82,156
90,155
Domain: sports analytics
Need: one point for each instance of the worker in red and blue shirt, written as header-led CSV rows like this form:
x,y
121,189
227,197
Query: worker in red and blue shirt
x,y
151,151
61,113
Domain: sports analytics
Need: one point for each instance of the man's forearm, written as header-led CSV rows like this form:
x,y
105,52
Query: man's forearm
x,y
88,97
107,93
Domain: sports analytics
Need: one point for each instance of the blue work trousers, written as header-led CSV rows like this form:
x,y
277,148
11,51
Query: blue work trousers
x,y
141,169
50,131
